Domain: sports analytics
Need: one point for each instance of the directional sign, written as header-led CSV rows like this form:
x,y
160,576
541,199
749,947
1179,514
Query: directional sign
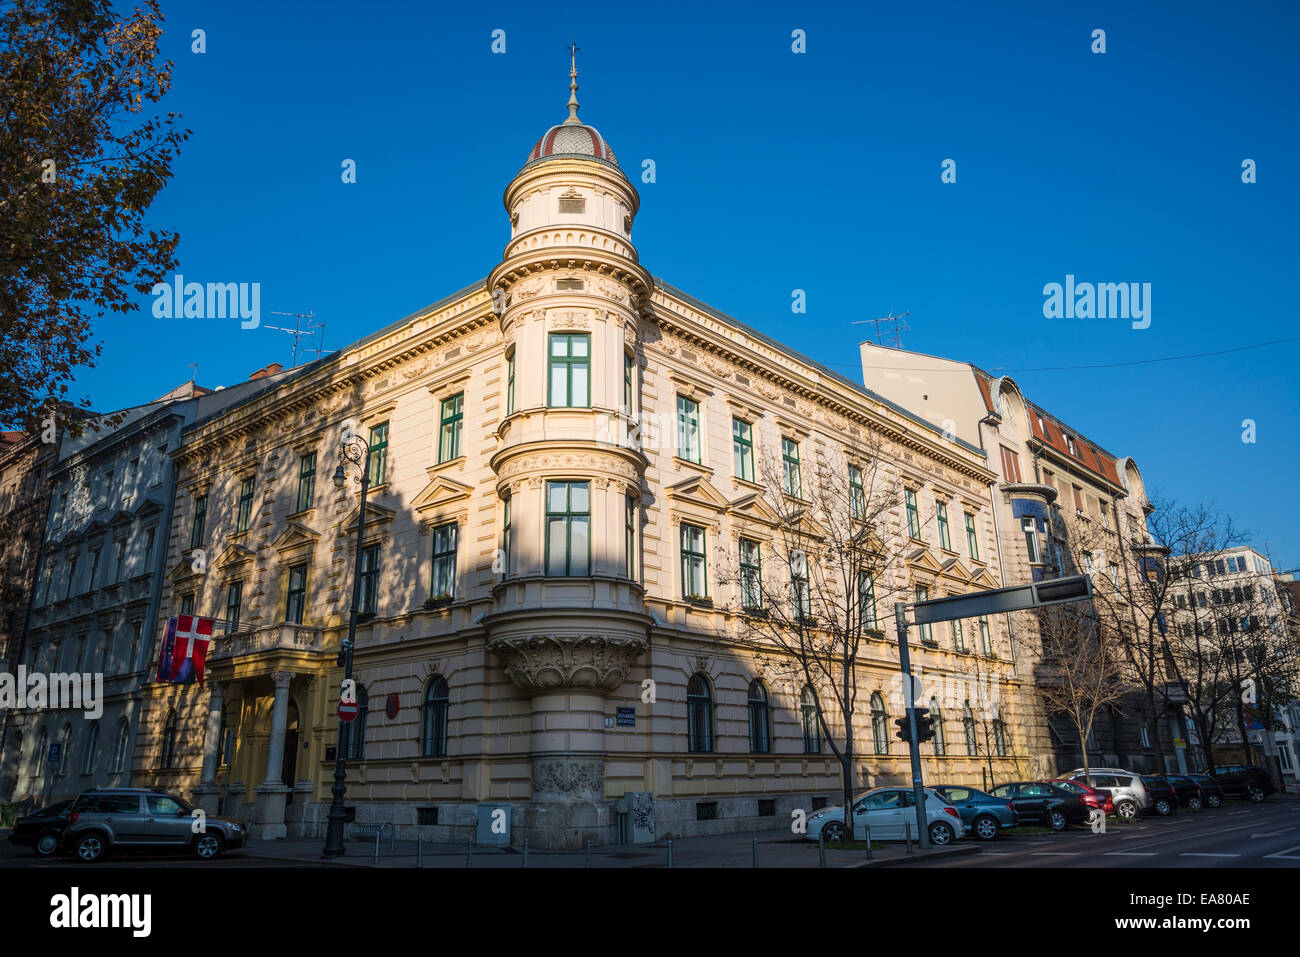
x,y
1054,591
348,711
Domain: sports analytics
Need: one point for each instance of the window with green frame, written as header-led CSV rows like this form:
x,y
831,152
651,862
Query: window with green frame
x,y
196,529
296,598
790,467
234,599
510,384
569,375
306,481
629,523
972,540
568,528
378,454
857,495
505,535
443,584
688,429
695,577
368,601
742,445
452,419
751,574
923,594
945,539
986,639
245,505
867,600
802,592
628,381
913,515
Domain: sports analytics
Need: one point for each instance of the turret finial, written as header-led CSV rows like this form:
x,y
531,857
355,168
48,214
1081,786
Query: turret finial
x,y
573,85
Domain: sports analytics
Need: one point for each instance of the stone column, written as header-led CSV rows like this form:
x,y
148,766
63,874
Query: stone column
x,y
206,793
268,814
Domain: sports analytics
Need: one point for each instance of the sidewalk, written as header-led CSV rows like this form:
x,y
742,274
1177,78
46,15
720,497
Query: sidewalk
x,y
776,849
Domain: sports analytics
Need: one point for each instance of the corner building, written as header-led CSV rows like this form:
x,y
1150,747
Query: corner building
x,y
523,561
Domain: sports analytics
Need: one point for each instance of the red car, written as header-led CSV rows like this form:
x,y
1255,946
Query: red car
x,y
1093,797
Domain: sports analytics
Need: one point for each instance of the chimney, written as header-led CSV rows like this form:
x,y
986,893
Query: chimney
x,y
272,369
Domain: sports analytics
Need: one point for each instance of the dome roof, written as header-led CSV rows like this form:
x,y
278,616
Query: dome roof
x,y
572,139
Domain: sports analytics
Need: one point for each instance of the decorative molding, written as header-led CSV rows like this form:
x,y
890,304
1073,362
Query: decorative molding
x,y
538,663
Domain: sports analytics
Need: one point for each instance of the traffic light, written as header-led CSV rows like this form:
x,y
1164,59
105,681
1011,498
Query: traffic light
x,y
904,732
924,725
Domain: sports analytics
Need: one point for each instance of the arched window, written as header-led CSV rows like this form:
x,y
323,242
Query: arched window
x,y
936,717
435,717
65,745
699,715
968,728
879,724
999,737
354,734
167,755
812,732
760,738
123,746
38,759
92,745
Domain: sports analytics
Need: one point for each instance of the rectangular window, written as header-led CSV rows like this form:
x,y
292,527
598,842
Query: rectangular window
x,y
927,631
378,454
368,600
187,604
742,445
505,536
958,637
629,532
1078,499
1010,465
510,384
568,528
913,515
1114,576
119,571
802,592
972,540
1030,527
790,467
1069,444
695,583
986,637
72,576
751,574
453,415
688,429
245,513
857,495
945,539
443,585
234,596
196,527
627,383
296,601
867,600
1049,478
94,569
570,370
306,481
149,535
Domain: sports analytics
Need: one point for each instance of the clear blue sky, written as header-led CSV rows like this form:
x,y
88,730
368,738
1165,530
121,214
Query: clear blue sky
x,y
778,171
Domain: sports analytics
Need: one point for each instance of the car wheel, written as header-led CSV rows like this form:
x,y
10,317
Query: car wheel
x,y
941,834
207,846
1162,807
833,833
1057,820
986,828
1213,800
1254,793
1128,810
1194,803
91,848
47,844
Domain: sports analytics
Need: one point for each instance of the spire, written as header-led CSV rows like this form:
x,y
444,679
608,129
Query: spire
x,y
573,86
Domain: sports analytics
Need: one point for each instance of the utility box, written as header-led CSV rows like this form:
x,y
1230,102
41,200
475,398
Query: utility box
x,y
639,806
493,826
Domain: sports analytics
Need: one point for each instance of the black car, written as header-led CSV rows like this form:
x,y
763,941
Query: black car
x,y
1244,781
42,830
1162,797
1044,803
1210,789
1191,794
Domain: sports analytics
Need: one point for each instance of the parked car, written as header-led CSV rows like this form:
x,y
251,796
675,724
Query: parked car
x,y
1045,803
1211,790
1190,792
1161,795
42,830
113,819
1126,788
890,813
982,814
1099,799
1244,781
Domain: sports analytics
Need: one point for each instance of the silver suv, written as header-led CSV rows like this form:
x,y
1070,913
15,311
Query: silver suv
x,y
104,819
1126,788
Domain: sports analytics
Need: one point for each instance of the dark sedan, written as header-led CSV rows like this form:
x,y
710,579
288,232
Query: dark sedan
x,y
1161,795
983,814
1190,793
1045,803
42,830
1245,781
1210,789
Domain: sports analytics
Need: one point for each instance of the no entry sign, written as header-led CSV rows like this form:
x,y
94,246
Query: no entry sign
x,y
348,710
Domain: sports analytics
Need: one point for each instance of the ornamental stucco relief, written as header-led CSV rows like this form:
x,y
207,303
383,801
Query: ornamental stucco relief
x,y
549,662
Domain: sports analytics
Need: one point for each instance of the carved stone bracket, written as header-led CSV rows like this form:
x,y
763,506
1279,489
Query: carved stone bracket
x,y
537,663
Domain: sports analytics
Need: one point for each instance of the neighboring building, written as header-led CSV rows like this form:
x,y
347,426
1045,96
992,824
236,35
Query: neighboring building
x,y
96,598
527,568
1053,484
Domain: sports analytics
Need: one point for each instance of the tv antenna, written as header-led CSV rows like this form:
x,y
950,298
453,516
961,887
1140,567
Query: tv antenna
x,y
300,332
889,329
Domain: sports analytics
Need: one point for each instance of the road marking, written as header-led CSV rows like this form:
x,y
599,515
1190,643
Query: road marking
x,y
1193,854
1054,854
1271,833
1285,854
1130,854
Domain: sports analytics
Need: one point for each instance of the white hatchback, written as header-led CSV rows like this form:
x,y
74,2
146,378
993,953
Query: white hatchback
x,y
890,814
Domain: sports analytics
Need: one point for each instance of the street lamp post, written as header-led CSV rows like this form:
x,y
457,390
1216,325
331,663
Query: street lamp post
x,y
358,452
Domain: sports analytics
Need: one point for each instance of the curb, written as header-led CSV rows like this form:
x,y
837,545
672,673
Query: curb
x,y
934,855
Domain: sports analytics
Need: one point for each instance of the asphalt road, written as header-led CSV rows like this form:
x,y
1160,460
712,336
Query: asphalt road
x,y
1235,835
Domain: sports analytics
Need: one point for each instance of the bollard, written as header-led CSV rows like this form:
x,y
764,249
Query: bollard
x,y
908,827
525,852
868,827
419,850
378,831
670,853
589,852
821,849
469,853
756,852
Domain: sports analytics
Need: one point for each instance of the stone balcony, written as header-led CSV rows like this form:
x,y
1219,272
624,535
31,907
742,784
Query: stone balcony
x,y
274,638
